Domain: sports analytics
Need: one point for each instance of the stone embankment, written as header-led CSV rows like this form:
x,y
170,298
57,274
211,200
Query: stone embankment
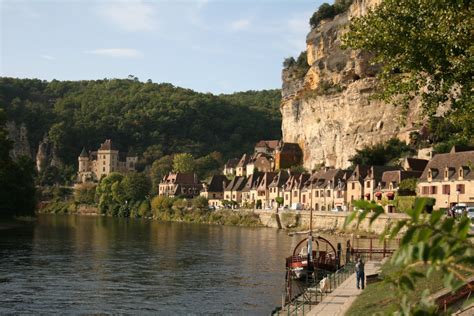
x,y
325,221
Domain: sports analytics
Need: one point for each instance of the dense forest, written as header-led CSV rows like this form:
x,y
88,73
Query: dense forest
x,y
144,117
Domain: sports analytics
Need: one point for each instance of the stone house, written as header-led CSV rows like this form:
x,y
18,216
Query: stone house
x,y
355,184
107,159
241,169
449,179
261,163
214,191
180,184
328,189
230,167
373,179
414,164
276,187
249,191
233,190
266,147
387,188
263,190
288,189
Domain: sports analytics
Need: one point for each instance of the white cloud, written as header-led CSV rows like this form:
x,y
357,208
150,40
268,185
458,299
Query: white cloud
x,y
129,15
47,57
117,52
241,24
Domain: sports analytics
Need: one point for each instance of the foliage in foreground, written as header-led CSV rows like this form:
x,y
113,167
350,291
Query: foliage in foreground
x,y
432,242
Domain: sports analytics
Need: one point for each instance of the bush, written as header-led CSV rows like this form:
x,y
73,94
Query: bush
x,y
328,11
200,203
407,187
85,193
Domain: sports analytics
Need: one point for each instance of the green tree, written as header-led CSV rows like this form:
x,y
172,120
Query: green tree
x,y
183,163
17,189
382,154
200,203
159,169
407,186
135,186
279,200
85,193
425,50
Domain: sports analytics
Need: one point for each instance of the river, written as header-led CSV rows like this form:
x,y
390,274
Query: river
x,y
90,265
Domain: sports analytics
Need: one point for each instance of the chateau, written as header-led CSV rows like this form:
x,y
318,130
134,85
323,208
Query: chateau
x,y
97,164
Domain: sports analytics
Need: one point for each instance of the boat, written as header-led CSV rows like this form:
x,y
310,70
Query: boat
x,y
311,254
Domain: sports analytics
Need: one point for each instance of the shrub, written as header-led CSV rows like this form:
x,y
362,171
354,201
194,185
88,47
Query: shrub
x,y
85,193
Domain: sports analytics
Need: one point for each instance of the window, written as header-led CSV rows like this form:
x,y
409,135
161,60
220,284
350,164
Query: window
x,y
433,190
316,207
446,189
339,194
353,186
329,193
461,173
430,174
304,198
352,198
286,196
446,173
316,193
367,184
460,188
103,169
295,193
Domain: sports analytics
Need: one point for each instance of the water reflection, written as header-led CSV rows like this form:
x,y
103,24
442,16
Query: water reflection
x,y
69,264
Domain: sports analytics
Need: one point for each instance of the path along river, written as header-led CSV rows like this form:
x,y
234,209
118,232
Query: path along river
x,y
90,265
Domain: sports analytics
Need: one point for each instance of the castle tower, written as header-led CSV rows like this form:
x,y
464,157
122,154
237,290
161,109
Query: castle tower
x,y
107,159
83,165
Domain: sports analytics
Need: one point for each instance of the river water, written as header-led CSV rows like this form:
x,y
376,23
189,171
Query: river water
x,y
90,265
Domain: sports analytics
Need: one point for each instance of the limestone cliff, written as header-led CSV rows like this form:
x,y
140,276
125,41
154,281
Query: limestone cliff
x,y
19,136
47,155
328,110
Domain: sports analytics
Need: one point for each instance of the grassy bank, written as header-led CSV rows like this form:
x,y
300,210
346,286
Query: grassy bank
x,y
178,211
381,298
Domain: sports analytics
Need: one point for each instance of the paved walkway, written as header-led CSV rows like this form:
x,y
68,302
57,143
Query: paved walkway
x,y
338,302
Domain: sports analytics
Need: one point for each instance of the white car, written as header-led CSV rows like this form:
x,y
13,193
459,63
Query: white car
x,y
470,213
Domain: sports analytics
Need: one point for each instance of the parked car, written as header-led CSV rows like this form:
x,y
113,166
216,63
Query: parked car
x,y
470,213
458,209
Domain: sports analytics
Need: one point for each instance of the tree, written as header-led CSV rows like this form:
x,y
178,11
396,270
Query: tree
x,y
17,189
85,193
382,154
279,200
135,187
200,203
407,186
159,169
183,163
425,50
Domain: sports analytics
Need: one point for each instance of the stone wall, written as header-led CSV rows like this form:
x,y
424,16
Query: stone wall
x,y
330,221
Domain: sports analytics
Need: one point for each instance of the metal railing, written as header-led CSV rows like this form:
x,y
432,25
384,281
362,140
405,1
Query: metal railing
x,y
313,295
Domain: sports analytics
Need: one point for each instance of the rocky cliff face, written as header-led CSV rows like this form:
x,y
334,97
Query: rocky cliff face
x,y
47,155
19,136
328,111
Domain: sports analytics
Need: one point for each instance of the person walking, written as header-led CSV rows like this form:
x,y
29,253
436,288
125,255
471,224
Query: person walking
x,y
360,276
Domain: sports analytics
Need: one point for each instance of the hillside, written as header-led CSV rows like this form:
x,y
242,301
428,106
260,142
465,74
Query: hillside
x,y
138,116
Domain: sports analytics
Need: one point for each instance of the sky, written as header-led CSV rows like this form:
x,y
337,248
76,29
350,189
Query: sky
x,y
217,46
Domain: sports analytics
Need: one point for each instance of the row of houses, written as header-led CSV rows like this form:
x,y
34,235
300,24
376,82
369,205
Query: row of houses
x,y
449,178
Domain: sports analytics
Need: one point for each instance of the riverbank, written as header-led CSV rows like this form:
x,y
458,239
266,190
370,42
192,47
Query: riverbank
x,y
327,222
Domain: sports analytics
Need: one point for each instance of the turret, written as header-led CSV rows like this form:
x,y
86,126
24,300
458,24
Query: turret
x,y
83,161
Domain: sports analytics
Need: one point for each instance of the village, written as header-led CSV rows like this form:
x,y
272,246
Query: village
x,y
271,178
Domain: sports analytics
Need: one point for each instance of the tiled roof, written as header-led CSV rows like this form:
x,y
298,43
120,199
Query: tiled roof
x,y
232,163
416,164
243,161
252,181
271,144
454,161
236,184
218,183
395,176
280,179
83,153
181,178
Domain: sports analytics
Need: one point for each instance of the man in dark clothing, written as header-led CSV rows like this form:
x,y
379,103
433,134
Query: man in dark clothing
x,y
360,276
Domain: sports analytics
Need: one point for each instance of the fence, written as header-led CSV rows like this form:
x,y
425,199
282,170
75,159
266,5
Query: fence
x,y
313,295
